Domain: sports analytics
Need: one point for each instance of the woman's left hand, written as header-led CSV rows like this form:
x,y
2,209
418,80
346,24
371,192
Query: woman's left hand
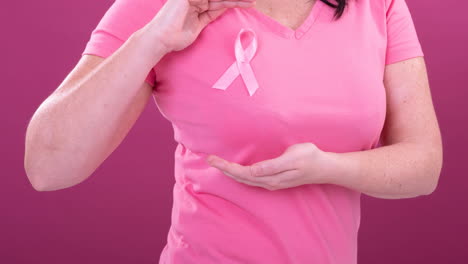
x,y
302,163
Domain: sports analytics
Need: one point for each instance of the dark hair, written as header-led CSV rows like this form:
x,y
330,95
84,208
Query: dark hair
x,y
340,7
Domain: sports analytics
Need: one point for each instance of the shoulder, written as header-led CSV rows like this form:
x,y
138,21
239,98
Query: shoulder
x,y
125,16
138,7
373,8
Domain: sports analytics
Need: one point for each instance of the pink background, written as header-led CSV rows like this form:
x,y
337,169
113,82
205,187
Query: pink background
x,y
121,213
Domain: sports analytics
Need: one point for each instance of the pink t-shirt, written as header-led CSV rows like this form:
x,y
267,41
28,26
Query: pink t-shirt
x,y
320,83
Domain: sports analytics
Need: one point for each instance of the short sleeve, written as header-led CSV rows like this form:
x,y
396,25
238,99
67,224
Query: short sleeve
x,y
120,21
402,39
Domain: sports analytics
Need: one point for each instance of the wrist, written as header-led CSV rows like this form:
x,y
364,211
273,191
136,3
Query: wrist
x,y
152,41
340,168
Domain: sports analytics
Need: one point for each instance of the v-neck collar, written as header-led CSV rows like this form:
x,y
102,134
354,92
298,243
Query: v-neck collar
x,y
286,31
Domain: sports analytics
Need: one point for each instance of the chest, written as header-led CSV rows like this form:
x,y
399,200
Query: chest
x,y
325,88
290,14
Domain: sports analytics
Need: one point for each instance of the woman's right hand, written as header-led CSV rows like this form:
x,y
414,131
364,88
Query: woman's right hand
x,y
179,22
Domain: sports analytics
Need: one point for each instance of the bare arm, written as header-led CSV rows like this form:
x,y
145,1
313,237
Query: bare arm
x,y
410,162
82,122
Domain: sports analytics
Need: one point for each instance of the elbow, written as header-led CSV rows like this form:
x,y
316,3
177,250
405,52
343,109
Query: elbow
x,y
432,184
44,175
40,186
430,161
36,177
433,181
43,180
38,180
430,152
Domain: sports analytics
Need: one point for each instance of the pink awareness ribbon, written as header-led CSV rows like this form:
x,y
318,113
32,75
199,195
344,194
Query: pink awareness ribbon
x,y
242,65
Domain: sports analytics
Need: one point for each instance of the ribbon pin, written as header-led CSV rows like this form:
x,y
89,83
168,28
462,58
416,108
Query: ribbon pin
x,y
242,65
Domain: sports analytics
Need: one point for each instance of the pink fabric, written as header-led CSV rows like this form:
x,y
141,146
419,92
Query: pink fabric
x,y
320,83
122,19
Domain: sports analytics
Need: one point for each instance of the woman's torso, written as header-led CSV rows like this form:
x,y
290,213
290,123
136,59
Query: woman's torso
x,y
321,83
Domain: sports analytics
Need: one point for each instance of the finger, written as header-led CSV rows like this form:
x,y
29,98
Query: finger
x,y
227,166
278,181
209,16
273,166
244,181
216,8
215,5
235,169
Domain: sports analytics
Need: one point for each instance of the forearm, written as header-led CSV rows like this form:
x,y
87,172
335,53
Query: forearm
x,y
83,121
402,170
